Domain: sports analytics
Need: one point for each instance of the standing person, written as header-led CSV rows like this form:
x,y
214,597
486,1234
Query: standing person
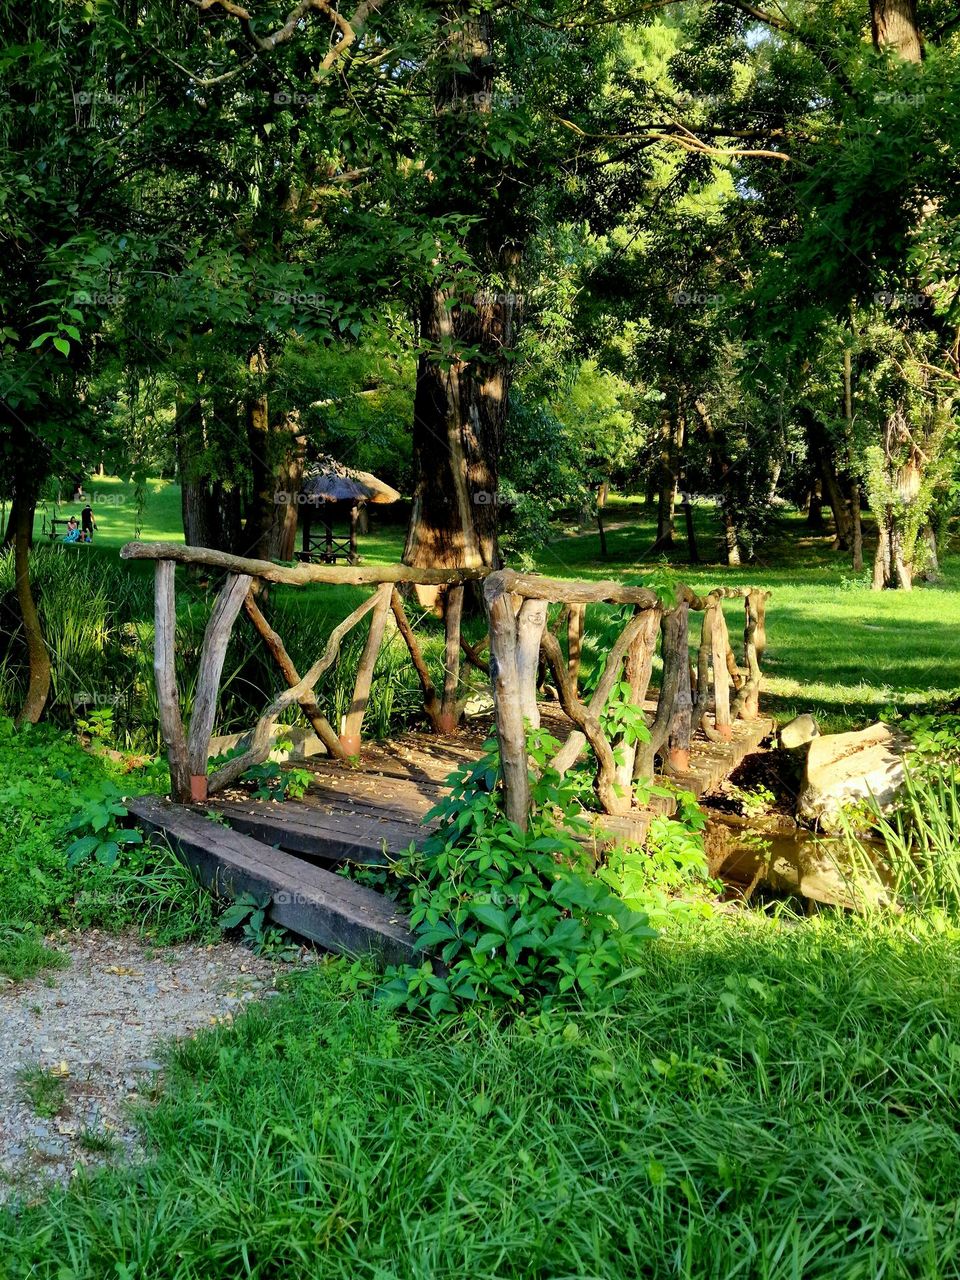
x,y
87,523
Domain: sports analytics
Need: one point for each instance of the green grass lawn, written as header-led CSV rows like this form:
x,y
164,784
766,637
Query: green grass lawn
x,y
120,515
767,1101
834,647
770,1097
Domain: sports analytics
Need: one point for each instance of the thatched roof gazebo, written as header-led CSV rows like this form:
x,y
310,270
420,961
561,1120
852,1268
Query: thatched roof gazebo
x,y
331,491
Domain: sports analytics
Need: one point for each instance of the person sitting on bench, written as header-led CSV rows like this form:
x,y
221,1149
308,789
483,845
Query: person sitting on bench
x,y
73,531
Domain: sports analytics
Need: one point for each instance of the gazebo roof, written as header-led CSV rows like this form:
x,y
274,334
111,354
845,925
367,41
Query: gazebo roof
x,y
330,481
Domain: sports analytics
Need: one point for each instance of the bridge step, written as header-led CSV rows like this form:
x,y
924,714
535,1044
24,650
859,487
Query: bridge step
x,y
316,904
363,834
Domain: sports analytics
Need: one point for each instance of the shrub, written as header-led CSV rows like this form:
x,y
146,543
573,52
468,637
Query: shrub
x,y
511,916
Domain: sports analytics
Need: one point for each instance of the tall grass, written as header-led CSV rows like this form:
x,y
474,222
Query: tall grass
x,y
766,1102
98,621
919,867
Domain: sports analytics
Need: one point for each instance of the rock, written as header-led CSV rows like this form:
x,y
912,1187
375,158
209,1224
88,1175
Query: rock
x,y
843,768
480,702
799,732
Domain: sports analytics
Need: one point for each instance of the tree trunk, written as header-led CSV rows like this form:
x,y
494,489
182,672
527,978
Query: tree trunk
x,y
38,688
210,509
458,416
893,565
856,523
602,492
460,403
815,505
731,539
671,452
822,453
720,467
931,559
894,26
693,553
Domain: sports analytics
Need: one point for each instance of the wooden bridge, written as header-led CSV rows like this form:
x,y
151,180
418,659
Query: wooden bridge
x,y
367,800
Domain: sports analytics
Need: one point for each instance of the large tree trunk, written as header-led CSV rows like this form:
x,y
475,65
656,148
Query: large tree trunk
x,y
856,527
731,538
458,416
210,509
896,517
38,688
815,504
670,463
894,25
822,452
730,549
460,404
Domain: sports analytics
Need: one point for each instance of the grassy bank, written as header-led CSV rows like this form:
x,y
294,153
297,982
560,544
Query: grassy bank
x,y
834,647
767,1101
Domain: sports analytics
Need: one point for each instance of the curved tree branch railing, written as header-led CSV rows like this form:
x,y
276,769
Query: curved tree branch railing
x,y
522,649
515,632
189,751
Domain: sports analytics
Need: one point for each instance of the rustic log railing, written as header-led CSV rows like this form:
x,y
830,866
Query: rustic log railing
x,y
524,651
517,610
188,750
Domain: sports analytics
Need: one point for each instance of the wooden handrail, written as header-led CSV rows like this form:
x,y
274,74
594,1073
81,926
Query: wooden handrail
x,y
508,594
521,645
299,575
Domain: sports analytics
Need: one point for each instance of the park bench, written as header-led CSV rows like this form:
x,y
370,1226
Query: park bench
x,y
55,533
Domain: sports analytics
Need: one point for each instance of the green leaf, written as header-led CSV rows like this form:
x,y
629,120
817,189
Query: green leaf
x,y
107,853
234,916
62,345
80,848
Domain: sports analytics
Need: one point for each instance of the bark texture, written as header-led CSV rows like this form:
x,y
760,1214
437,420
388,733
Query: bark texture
x,y
38,687
894,26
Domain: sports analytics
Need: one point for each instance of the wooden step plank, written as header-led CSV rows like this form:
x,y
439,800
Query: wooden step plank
x,y
407,796
326,908
711,762
361,836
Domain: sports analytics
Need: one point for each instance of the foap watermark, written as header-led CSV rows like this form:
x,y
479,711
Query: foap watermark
x,y
695,298
312,301
282,498
486,498
904,301
290,98
493,298
93,698
899,99
98,97
485,100
99,499
100,298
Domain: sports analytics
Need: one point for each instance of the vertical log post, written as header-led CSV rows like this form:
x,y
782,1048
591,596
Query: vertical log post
x,y
531,621
721,676
575,619
212,655
452,618
353,721
637,673
507,701
164,670
431,703
681,721
747,705
674,661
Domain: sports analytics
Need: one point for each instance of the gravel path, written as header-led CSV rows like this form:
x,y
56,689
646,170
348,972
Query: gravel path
x,y
98,1027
